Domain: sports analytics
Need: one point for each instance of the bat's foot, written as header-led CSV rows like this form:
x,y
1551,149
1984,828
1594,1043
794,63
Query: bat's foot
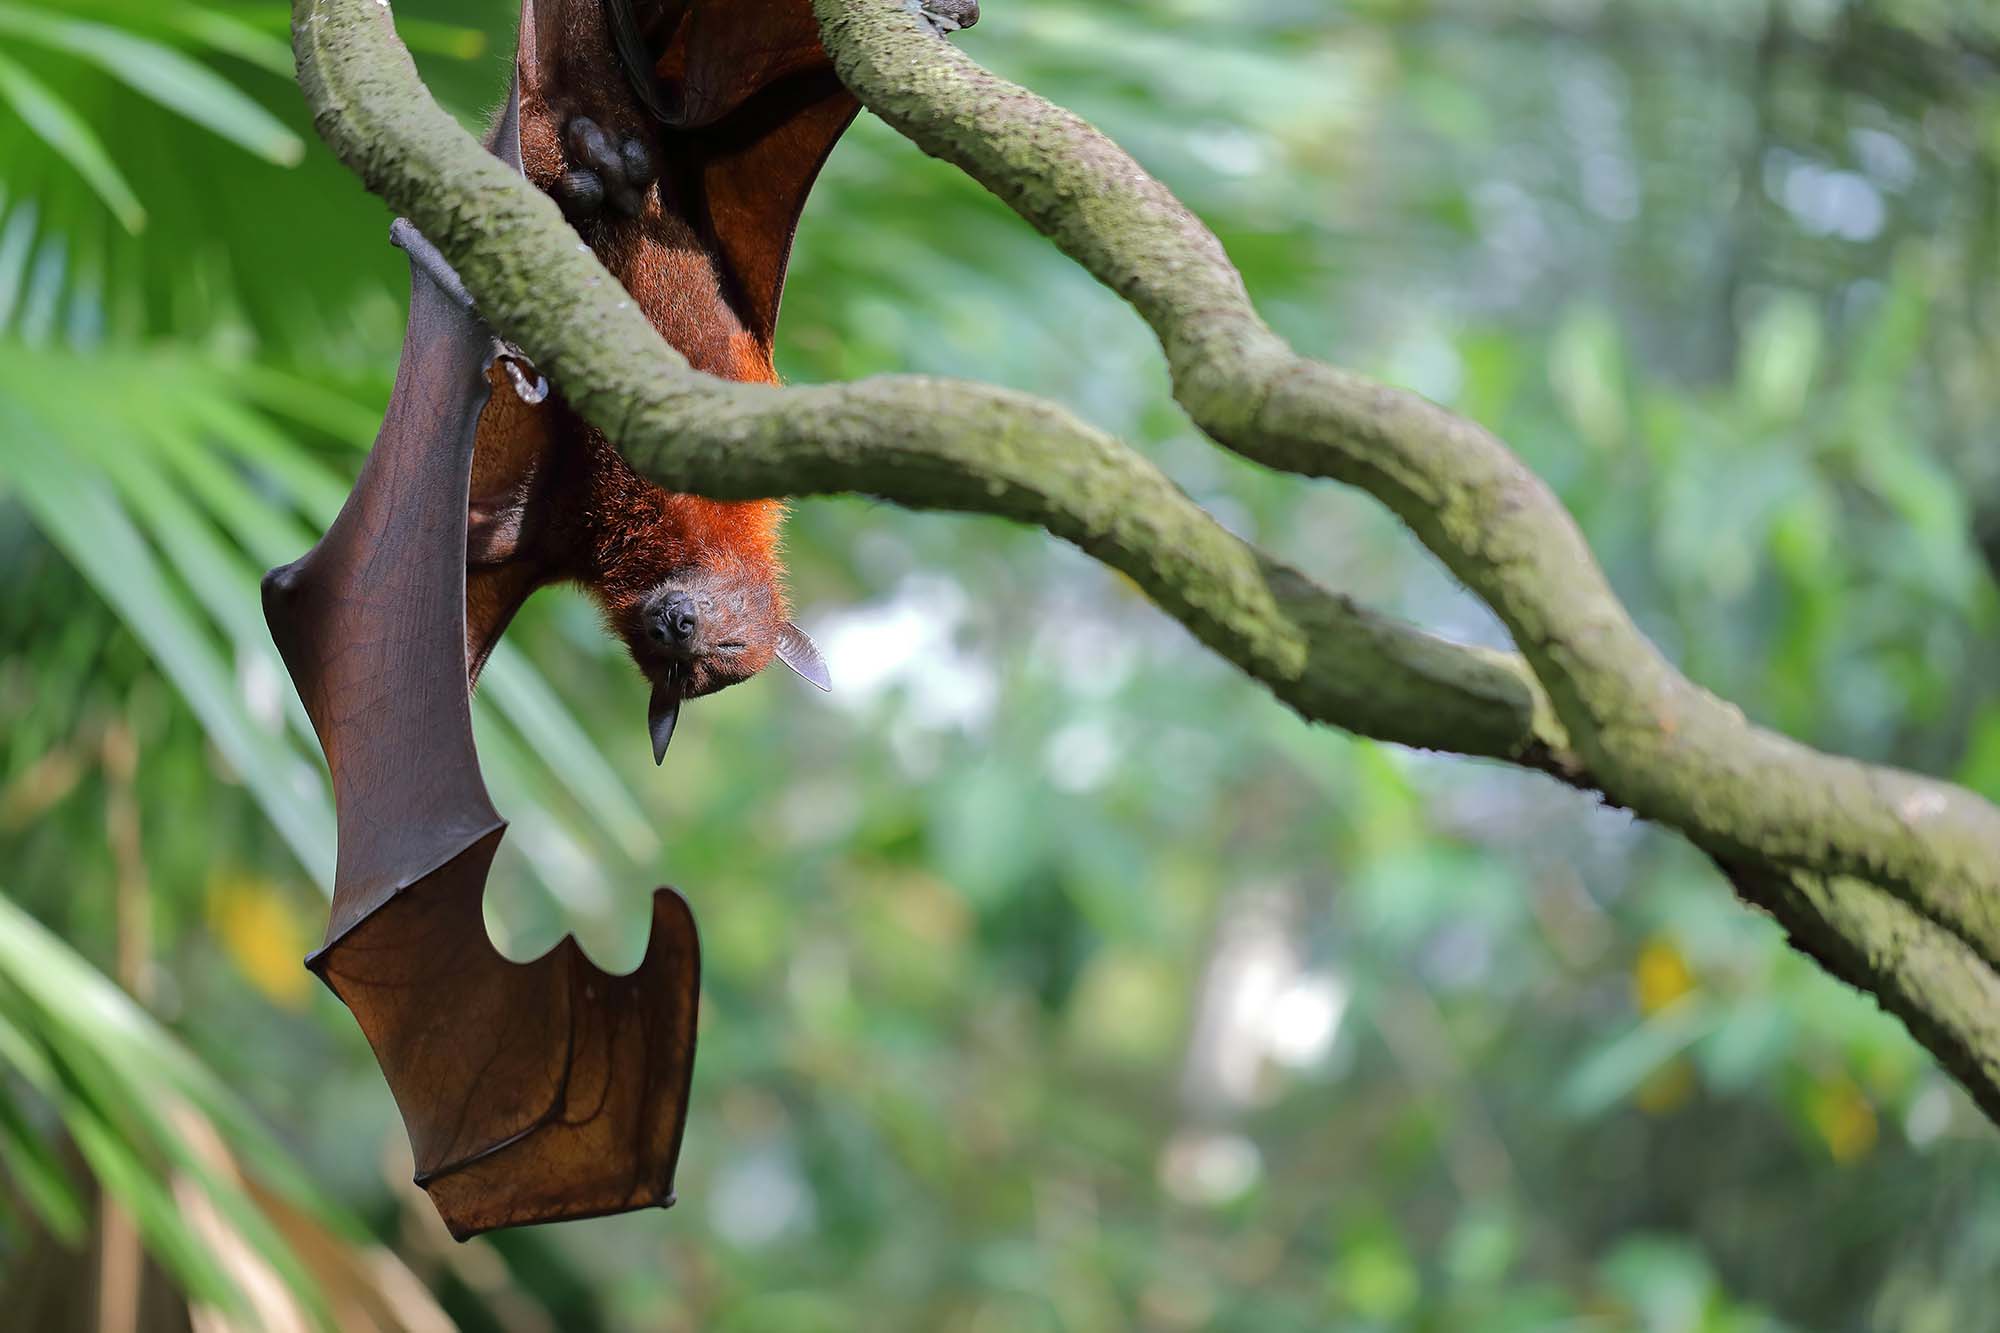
x,y
605,172
946,16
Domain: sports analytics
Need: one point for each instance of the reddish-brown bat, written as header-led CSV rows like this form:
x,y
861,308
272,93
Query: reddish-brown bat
x,y
681,138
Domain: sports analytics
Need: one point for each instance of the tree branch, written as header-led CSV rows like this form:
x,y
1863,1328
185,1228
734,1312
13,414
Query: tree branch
x,y
1944,992
1813,838
1656,742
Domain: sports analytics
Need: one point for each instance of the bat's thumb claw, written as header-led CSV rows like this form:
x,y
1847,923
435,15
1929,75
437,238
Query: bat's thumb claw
x,y
529,385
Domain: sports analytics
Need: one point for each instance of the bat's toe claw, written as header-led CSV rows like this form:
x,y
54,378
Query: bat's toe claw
x,y
637,161
589,145
580,194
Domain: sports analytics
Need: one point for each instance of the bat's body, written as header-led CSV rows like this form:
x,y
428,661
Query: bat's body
x,y
685,169
680,137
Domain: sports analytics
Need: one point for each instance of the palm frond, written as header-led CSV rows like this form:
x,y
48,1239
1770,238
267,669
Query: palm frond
x,y
59,126
162,74
121,1088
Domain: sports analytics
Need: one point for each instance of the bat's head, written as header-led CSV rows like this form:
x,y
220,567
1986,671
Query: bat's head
x,y
707,627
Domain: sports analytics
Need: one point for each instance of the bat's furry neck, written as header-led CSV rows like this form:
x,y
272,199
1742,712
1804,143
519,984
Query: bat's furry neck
x,y
640,535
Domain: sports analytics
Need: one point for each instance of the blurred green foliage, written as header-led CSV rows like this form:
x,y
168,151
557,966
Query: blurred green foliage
x,y
1057,978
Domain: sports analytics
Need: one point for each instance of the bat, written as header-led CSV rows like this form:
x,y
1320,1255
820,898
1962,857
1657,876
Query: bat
x,y
680,138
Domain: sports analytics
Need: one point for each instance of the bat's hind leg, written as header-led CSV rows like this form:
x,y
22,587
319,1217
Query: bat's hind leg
x,y
604,170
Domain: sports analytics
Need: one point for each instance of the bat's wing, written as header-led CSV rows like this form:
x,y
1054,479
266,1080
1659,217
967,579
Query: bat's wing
x,y
760,108
754,181
752,107
532,1092
749,107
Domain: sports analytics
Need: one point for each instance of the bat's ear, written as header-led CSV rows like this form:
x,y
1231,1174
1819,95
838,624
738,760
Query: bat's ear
x,y
662,712
801,654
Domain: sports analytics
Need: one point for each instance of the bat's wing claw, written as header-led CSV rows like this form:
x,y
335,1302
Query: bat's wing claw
x,y
280,583
530,385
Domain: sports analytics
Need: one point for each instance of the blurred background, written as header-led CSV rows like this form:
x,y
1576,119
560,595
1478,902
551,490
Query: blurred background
x,y
1057,978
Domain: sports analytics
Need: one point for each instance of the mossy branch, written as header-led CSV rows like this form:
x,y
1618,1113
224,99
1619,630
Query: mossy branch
x,y
1890,879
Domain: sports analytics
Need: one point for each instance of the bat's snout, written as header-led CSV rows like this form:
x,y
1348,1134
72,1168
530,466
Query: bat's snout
x,y
674,621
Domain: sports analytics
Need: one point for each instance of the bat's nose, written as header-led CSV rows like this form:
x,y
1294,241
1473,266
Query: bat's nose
x,y
676,619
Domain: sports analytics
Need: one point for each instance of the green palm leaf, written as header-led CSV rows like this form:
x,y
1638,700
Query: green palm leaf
x,y
163,74
63,130
116,1081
